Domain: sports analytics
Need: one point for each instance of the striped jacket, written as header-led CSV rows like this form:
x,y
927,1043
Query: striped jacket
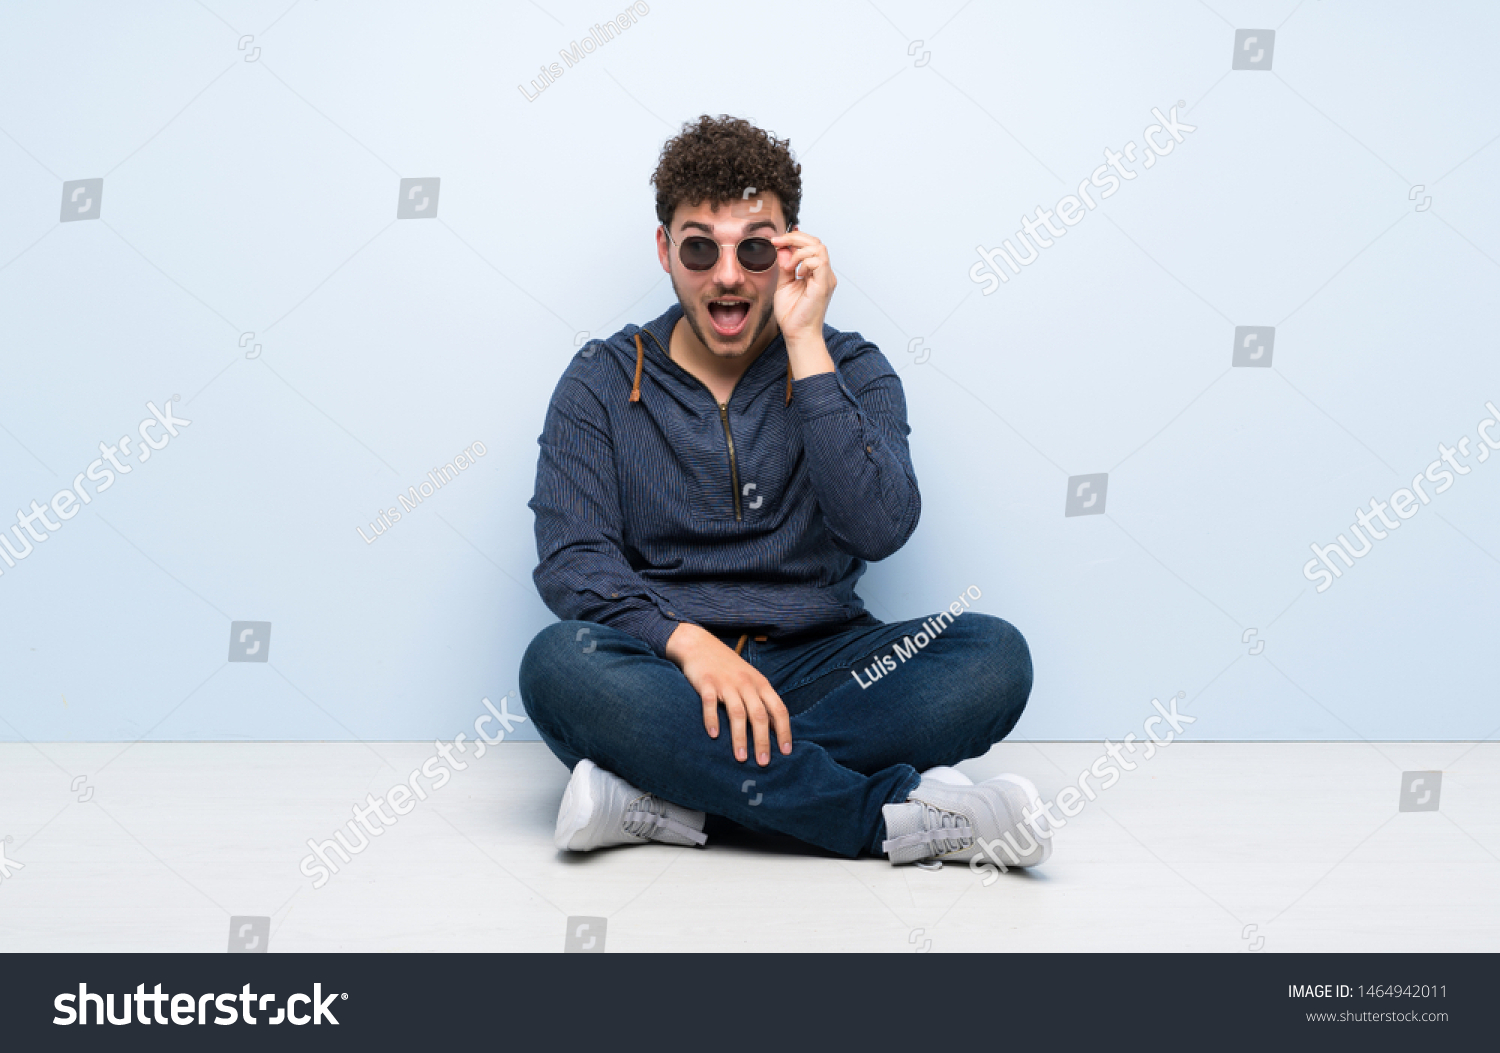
x,y
656,505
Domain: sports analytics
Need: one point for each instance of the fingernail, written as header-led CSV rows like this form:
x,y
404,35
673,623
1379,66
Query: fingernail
x,y
740,754
765,758
786,747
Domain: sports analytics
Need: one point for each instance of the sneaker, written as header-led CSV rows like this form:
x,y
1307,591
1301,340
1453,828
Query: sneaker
x,y
599,808
950,776
944,821
1038,822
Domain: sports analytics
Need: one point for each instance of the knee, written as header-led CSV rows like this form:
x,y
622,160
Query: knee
x,y
548,649
549,668
1002,670
1006,651
570,661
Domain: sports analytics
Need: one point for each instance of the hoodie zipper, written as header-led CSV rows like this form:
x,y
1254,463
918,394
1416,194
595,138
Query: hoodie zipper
x,y
734,472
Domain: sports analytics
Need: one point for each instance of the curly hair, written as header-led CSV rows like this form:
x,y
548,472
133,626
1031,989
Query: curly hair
x,y
715,160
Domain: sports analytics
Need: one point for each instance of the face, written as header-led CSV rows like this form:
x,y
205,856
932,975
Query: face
x,y
730,309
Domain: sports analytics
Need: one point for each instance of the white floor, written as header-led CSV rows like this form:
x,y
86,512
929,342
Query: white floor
x,y
1208,846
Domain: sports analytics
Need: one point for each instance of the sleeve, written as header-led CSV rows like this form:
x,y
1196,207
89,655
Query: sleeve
x,y
854,431
583,574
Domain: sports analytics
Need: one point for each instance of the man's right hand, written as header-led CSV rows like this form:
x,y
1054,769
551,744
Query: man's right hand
x,y
718,674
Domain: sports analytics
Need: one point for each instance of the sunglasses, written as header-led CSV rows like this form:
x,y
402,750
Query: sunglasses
x,y
698,253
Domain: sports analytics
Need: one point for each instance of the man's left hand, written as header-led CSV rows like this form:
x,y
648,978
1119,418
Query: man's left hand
x,y
801,303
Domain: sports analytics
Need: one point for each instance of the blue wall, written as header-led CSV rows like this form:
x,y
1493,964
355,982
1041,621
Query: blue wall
x,y
1343,197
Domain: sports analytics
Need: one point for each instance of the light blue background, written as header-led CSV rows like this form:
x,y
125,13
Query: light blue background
x,y
261,197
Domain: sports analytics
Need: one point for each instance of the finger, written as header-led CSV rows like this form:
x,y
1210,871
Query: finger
x,y
808,259
813,261
780,717
710,701
736,710
787,276
760,725
794,237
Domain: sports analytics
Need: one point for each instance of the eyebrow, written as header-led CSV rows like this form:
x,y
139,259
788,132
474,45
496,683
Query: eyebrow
x,y
693,223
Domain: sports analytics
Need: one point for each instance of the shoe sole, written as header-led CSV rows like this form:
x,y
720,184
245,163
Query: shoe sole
x,y
577,807
1034,799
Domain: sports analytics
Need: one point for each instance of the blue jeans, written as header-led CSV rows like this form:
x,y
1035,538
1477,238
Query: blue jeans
x,y
857,744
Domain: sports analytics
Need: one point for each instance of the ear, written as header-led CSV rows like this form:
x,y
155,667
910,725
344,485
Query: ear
x,y
663,247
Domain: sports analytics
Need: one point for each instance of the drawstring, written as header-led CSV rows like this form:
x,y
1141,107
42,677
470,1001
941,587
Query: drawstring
x,y
640,360
741,645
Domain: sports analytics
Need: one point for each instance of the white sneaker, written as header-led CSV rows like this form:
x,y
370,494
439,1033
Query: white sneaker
x,y
950,776
1038,822
599,808
945,821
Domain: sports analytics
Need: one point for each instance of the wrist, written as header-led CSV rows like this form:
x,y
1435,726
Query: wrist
x,y
808,354
683,640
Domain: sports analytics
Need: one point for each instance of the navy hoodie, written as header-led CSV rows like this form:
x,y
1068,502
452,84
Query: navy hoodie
x,y
656,505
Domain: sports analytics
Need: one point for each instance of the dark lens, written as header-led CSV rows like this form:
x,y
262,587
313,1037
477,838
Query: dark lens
x,y
756,254
699,254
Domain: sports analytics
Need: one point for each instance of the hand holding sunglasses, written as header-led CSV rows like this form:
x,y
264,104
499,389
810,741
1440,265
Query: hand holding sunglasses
x,y
801,302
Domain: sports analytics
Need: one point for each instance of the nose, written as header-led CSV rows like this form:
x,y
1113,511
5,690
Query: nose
x,y
727,271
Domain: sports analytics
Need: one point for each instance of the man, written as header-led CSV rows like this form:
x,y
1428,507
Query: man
x,y
709,489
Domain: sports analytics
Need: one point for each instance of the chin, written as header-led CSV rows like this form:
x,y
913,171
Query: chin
x,y
722,346
722,349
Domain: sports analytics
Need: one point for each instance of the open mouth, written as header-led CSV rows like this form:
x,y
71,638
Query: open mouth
x,y
728,316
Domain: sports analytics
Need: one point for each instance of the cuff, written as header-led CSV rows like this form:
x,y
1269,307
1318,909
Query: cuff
x,y
649,626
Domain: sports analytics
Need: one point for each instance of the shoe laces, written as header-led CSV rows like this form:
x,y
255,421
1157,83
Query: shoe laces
x,y
946,831
647,817
644,816
943,832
